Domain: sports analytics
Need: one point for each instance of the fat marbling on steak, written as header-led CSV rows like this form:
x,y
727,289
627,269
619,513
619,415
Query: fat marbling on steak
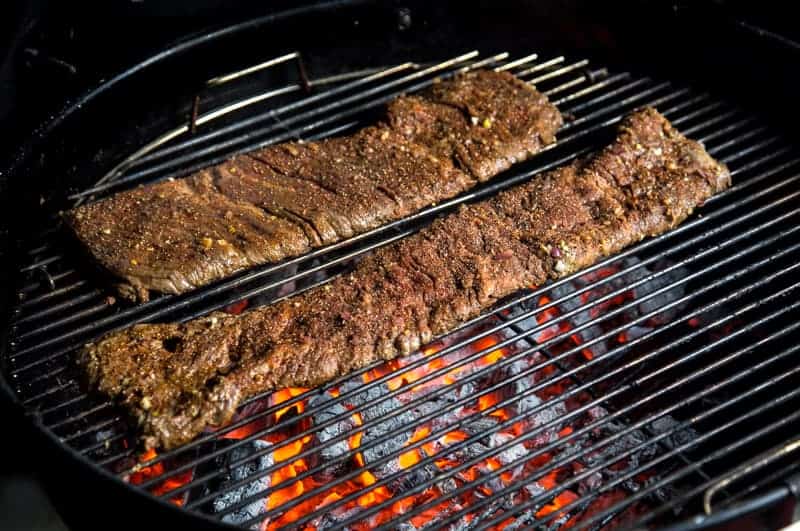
x,y
284,200
178,379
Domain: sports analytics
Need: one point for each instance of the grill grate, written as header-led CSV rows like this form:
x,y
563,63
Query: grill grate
x,y
657,352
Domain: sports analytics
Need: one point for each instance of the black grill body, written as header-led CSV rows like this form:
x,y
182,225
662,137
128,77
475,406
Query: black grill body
x,y
718,78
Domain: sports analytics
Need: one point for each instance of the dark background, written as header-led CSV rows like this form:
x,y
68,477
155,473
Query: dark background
x,y
52,52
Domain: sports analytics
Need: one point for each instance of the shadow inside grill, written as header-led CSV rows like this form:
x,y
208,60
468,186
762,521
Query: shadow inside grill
x,y
612,396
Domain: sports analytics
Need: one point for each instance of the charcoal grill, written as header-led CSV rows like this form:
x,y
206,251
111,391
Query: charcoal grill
x,y
655,386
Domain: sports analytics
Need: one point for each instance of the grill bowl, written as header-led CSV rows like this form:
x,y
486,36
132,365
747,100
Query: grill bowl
x,y
357,41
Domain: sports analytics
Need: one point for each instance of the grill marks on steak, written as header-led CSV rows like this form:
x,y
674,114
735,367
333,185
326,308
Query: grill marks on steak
x,y
281,201
180,378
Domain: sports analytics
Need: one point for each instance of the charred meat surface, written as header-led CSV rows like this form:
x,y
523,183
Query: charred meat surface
x,y
282,201
179,379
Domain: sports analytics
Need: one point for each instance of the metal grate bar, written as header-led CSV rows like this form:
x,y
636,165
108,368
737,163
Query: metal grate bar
x,y
561,71
722,131
34,285
100,425
55,308
754,147
33,301
105,443
594,88
739,139
713,121
541,66
517,62
71,318
83,414
566,85
59,386
604,97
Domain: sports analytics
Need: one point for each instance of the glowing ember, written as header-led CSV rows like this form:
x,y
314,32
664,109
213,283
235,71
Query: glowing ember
x,y
147,473
486,426
237,307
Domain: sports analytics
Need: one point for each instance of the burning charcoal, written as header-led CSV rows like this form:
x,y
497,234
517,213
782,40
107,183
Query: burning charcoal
x,y
511,454
621,445
393,444
662,299
493,509
459,391
548,414
636,331
480,425
442,419
528,402
332,518
519,523
430,406
526,324
514,454
414,478
517,366
232,497
590,483
534,489
346,423
379,409
597,412
472,450
447,486
680,437
103,435
619,284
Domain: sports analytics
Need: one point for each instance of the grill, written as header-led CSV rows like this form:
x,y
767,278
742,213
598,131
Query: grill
x,y
656,384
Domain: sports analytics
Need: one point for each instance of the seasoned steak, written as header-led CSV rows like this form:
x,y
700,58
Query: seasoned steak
x,y
484,123
178,379
282,201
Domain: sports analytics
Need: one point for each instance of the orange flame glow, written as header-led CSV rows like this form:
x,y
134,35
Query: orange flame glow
x,y
363,490
143,474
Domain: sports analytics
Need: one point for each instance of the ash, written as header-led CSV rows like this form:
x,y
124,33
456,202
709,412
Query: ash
x,y
234,496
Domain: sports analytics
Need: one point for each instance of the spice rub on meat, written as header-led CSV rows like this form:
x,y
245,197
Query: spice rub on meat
x,y
284,200
178,379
